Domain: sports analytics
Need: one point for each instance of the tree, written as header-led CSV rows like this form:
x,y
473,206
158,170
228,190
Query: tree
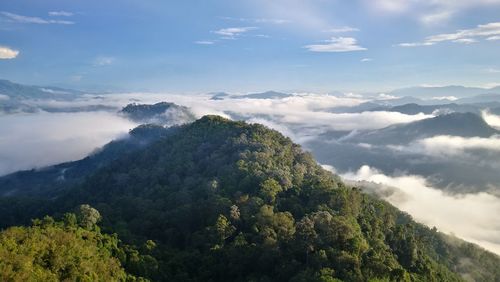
x,y
87,216
269,189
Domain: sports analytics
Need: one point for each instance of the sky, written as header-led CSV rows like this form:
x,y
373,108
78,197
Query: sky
x,y
250,45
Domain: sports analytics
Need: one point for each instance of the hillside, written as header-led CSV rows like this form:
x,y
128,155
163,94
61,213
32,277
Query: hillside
x,y
228,201
17,91
442,91
163,113
69,250
264,95
413,109
47,182
456,124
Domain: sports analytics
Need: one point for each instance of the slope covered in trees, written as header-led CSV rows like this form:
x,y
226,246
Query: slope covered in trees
x,y
70,250
162,113
47,182
219,200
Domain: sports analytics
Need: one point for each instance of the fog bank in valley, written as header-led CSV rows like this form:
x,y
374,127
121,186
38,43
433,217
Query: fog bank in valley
x,y
36,140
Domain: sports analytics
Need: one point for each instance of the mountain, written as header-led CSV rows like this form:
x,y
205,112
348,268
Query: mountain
x,y
17,98
484,98
163,113
219,95
49,181
363,107
17,91
265,95
410,108
455,124
401,101
413,109
219,200
443,91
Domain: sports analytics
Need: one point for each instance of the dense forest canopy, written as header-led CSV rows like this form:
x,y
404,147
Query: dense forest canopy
x,y
218,200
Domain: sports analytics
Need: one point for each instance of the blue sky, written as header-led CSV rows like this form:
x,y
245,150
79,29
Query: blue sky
x,y
250,45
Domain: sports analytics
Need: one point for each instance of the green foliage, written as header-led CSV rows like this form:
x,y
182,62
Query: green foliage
x,y
227,201
59,251
87,216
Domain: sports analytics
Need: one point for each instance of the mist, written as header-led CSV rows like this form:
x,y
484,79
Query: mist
x,y
472,217
492,119
36,140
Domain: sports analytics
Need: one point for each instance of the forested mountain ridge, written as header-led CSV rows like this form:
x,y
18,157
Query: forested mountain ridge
x,y
231,201
48,181
454,124
162,113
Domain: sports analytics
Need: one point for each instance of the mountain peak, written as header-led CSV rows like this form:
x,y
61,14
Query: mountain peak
x,y
232,201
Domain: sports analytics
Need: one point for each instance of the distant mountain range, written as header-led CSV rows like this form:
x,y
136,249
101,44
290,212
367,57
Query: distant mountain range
x,y
349,150
263,95
444,91
455,124
17,91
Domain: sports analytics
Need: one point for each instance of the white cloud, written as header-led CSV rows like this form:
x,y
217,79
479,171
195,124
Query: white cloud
x,y
473,217
32,20
448,98
394,6
383,96
451,146
8,53
204,42
41,139
465,40
415,44
428,12
455,145
336,44
273,21
342,29
233,32
364,60
60,14
436,17
305,16
491,119
104,61
353,95
492,38
493,70
460,36
490,85
258,20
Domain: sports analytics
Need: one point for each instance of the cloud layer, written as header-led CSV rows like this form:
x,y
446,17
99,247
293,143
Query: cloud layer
x,y
491,119
445,146
488,31
429,12
36,140
473,217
